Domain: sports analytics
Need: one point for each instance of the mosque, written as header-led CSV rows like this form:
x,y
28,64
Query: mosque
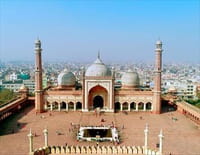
x,y
97,89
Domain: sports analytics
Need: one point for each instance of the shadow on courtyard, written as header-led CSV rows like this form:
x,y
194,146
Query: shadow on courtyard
x,y
167,107
11,125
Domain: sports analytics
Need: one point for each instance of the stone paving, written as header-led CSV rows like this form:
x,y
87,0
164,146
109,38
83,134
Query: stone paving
x,y
181,136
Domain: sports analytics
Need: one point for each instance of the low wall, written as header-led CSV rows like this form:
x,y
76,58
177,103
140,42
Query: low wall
x,y
12,107
94,150
189,111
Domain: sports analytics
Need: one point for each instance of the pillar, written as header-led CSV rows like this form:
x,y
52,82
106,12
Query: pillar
x,y
146,130
51,108
45,131
129,107
136,107
83,89
66,106
45,106
160,142
157,78
30,137
39,100
113,90
58,106
144,107
121,106
74,106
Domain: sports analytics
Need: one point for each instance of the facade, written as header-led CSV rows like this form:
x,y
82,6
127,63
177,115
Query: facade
x,y
97,89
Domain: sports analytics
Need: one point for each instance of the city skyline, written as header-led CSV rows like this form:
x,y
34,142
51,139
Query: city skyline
x,y
76,30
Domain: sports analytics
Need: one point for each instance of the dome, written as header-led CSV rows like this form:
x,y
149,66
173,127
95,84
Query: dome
x,y
23,87
172,89
66,78
130,78
98,68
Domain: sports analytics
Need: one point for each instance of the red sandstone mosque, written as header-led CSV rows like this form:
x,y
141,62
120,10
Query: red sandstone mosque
x,y
98,89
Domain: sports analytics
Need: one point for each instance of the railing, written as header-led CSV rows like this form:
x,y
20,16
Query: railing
x,y
95,150
4,104
189,106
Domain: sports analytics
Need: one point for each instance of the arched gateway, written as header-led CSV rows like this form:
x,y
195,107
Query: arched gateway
x,y
98,97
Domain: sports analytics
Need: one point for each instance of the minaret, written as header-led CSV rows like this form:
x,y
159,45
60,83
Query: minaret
x,y
30,137
39,107
157,80
146,130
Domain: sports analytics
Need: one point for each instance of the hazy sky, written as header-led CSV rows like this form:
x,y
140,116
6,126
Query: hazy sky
x,y
74,30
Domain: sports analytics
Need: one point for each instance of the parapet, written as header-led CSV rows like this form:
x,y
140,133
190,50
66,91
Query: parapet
x,y
70,149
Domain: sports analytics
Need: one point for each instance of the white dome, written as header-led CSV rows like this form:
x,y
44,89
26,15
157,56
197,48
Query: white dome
x,y
130,78
98,68
66,78
172,89
23,87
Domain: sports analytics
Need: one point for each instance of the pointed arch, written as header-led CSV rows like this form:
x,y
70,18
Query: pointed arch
x,y
125,106
148,106
55,105
117,106
98,97
140,106
133,106
63,105
71,105
78,105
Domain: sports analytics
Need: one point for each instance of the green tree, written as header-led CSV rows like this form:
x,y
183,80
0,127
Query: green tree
x,y
198,95
6,95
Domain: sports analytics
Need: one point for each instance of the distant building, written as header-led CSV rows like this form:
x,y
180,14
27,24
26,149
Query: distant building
x,y
15,85
11,77
24,76
11,85
184,89
30,84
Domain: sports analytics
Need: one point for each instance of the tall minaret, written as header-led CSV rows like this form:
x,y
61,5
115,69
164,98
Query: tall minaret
x,y
39,107
157,80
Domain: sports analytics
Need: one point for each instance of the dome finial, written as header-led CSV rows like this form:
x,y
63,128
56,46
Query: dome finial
x,y
98,56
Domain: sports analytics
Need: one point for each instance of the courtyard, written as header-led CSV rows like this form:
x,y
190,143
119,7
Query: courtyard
x,y
181,136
